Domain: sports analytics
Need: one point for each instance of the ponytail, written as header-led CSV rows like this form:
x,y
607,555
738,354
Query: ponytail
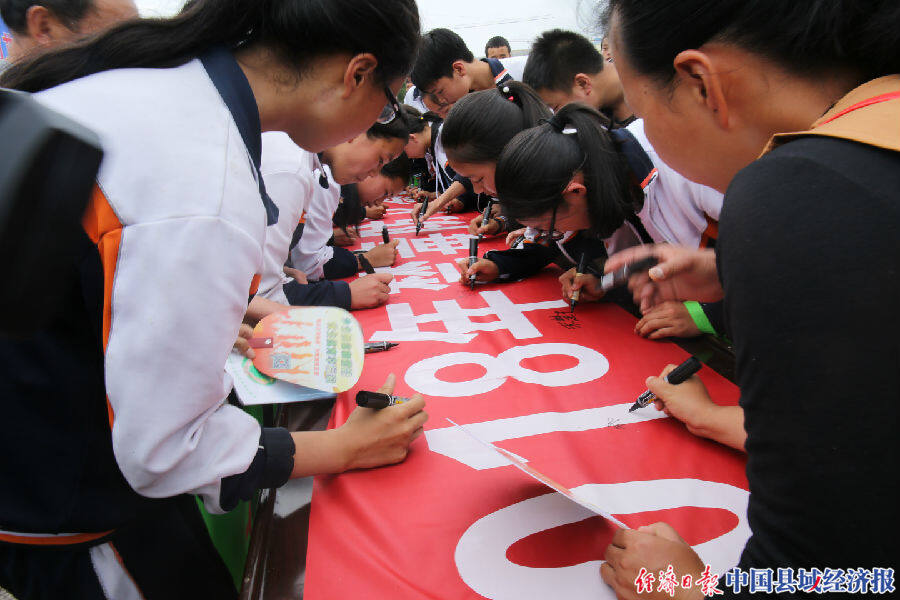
x,y
416,121
295,30
481,123
537,165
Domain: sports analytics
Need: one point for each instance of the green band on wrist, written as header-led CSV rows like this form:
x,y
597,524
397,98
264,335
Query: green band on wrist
x,y
700,319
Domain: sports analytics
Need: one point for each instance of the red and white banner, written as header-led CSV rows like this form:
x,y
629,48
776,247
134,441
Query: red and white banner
x,y
509,361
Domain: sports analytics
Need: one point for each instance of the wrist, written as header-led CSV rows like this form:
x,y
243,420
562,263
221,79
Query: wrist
x,y
705,422
339,446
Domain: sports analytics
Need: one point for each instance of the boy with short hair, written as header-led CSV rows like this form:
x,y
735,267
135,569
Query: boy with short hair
x,y
565,67
446,70
497,47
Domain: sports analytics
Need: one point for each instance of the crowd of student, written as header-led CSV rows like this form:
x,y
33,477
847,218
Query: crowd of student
x,y
750,145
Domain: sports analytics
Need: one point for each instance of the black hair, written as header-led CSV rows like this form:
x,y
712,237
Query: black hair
x,y
416,121
498,41
439,49
295,30
808,38
481,124
69,12
396,129
556,57
399,168
538,163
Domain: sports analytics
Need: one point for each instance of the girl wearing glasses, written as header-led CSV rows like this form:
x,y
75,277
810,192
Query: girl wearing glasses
x,y
580,188
121,405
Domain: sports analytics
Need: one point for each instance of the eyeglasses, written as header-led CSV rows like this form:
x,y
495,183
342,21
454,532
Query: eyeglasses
x,y
391,108
439,101
550,235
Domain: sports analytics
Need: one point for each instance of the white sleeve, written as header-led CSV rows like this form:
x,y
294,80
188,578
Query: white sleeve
x,y
290,191
709,201
176,309
313,251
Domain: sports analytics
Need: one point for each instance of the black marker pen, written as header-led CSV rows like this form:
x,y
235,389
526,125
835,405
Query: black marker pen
x,y
678,375
424,209
486,215
384,235
473,258
376,400
579,270
379,346
620,276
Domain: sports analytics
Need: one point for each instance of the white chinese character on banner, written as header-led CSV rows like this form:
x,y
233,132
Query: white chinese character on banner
x,y
416,275
403,226
458,321
443,243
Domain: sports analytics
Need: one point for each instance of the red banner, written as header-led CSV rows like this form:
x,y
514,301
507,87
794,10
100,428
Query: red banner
x,y
509,361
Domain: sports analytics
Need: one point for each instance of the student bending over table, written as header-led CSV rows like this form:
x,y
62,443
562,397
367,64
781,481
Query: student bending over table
x,y
580,188
350,162
117,409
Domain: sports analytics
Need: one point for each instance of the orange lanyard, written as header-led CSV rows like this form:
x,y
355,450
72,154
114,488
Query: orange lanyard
x,y
863,104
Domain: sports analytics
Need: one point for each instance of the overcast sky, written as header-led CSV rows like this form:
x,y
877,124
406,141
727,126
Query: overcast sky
x,y
519,21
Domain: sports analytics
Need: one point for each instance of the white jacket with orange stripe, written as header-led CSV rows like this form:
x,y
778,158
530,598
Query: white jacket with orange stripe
x,y
178,263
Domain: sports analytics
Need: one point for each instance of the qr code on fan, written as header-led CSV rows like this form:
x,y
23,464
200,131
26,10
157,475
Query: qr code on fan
x,y
281,361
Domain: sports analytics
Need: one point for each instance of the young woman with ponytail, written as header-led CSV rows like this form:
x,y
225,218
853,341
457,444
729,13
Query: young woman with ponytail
x,y
424,129
580,188
474,136
793,110
120,407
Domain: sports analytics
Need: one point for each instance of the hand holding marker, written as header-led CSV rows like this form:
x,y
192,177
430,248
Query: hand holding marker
x,y
679,375
620,276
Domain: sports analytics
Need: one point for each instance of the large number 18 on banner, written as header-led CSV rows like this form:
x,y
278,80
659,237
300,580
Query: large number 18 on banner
x,y
510,362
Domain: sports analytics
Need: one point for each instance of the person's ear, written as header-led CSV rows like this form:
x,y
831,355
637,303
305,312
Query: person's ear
x,y
459,68
360,69
43,26
575,189
702,85
583,84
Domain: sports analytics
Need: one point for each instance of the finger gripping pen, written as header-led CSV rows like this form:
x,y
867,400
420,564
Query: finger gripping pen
x,y
679,374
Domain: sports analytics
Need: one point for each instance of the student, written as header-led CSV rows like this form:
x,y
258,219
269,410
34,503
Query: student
x,y
497,47
44,25
424,143
565,67
580,188
806,261
366,198
350,162
120,405
290,174
446,70
476,132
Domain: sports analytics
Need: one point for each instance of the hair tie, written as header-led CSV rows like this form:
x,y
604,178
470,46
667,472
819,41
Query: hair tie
x,y
560,125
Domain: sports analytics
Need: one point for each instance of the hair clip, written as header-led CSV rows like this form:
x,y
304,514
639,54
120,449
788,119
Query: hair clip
x,y
569,130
